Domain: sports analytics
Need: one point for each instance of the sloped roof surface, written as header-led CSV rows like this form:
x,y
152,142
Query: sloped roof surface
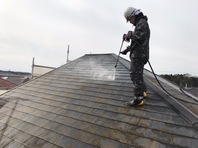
x,y
194,91
82,104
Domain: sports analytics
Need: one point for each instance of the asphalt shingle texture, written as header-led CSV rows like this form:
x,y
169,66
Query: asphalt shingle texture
x,y
82,105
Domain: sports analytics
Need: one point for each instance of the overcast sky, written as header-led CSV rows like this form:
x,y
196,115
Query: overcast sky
x,y
44,28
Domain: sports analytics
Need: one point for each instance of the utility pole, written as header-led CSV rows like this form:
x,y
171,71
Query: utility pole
x,y
67,54
32,67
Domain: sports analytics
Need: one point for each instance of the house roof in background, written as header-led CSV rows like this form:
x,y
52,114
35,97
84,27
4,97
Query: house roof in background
x,y
82,104
4,84
17,79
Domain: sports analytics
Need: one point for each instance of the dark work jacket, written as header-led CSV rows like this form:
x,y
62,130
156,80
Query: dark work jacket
x,y
139,47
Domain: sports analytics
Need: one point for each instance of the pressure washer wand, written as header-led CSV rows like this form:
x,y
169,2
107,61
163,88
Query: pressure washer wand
x,y
119,53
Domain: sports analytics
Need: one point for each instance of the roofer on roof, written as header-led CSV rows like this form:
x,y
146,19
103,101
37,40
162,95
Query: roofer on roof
x,y
139,52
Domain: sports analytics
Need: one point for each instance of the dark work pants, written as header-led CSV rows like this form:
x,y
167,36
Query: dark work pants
x,y
136,74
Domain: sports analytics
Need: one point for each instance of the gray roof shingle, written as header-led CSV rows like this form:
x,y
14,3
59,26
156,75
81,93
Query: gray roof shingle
x,y
82,104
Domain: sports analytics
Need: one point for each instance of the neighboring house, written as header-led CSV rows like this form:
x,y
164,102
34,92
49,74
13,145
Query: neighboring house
x,y
38,70
12,79
5,85
17,79
82,105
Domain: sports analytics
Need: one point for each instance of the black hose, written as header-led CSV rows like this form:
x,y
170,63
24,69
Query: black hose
x,y
159,81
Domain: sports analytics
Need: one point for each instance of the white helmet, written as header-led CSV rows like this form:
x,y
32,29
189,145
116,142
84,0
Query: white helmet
x,y
131,12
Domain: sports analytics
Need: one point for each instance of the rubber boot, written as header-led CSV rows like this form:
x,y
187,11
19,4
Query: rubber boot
x,y
138,101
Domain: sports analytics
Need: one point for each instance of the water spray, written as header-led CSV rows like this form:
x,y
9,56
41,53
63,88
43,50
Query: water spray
x,y
114,71
119,54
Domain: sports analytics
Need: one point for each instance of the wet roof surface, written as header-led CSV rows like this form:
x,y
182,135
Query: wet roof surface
x,y
82,104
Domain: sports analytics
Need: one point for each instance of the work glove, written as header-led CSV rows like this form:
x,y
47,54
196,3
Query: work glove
x,y
124,52
125,38
130,34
